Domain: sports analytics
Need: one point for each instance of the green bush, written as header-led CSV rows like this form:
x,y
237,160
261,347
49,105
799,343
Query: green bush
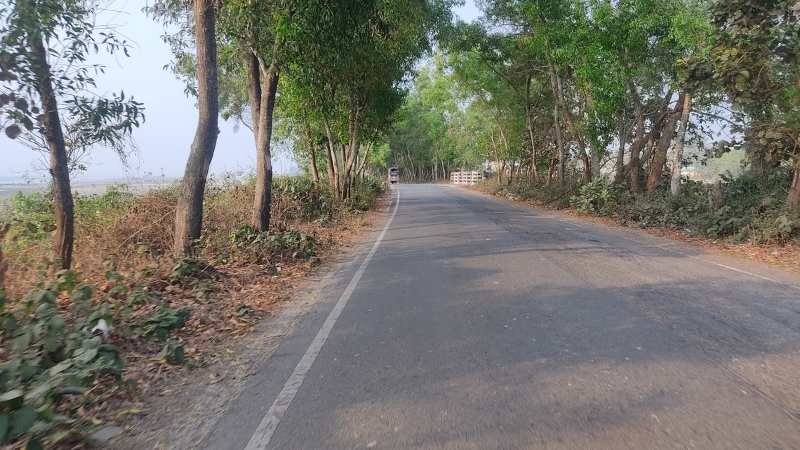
x,y
265,246
48,366
311,200
596,197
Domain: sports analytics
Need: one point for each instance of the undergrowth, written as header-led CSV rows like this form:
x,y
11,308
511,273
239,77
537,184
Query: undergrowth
x,y
745,208
65,335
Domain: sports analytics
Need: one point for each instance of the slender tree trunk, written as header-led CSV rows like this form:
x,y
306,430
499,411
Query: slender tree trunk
x,y
660,157
254,92
636,148
793,200
587,176
312,152
59,163
362,169
333,165
529,124
619,166
189,211
263,199
678,158
556,118
352,151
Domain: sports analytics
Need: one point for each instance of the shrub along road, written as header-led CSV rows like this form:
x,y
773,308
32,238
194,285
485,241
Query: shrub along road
x,y
482,324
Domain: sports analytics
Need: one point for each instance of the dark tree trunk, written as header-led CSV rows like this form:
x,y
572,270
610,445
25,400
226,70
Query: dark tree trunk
x,y
556,118
312,152
636,148
189,212
619,167
261,203
254,91
59,164
794,190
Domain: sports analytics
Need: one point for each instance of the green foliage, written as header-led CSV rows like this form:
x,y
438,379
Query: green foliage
x,y
265,246
365,193
49,366
596,197
315,200
161,324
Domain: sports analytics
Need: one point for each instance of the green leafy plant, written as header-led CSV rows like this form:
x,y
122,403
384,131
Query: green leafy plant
x,y
596,197
264,246
49,366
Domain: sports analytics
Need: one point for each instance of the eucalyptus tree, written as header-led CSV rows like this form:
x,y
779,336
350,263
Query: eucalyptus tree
x,y
44,76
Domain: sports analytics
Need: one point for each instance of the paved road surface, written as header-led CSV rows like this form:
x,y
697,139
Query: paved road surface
x,y
482,324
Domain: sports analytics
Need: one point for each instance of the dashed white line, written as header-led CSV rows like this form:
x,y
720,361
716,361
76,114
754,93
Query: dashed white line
x,y
269,423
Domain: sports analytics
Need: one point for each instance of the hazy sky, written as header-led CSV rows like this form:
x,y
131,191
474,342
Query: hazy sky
x,y
171,117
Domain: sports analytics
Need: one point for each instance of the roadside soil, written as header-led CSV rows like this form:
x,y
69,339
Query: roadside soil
x,y
173,407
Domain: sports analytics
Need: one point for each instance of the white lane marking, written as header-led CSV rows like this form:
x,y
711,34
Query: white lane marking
x,y
712,262
269,423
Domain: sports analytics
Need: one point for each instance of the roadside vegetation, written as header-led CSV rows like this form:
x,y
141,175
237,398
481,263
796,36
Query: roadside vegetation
x,y
585,104
80,346
590,104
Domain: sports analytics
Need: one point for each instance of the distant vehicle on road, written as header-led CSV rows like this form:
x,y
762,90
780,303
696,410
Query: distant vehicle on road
x,y
394,175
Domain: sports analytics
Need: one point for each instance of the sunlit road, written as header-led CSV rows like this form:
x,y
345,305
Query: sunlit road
x,y
482,324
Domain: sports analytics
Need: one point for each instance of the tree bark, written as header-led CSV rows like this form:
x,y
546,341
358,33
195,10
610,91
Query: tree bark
x,y
529,125
263,198
619,166
189,212
556,118
660,157
254,92
587,176
312,152
59,164
333,164
793,201
638,143
678,157
352,151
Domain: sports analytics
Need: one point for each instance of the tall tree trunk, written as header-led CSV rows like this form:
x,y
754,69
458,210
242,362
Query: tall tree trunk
x,y
678,157
529,124
263,199
333,164
587,176
660,157
362,169
254,92
352,151
794,190
189,211
556,118
312,152
636,148
619,165
59,163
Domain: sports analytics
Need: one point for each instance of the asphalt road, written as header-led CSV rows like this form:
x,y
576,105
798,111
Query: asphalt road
x,y
482,324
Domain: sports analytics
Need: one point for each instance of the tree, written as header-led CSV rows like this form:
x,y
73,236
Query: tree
x,y
755,61
202,37
44,75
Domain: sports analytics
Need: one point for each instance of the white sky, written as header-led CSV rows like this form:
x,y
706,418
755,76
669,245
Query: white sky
x,y
171,117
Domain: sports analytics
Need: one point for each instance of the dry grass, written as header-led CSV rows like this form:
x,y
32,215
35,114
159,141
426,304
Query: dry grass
x,y
132,235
